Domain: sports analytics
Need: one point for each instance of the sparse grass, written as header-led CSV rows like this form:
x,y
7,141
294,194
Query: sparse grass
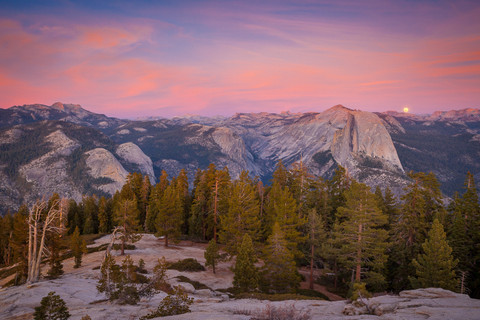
x,y
189,264
197,285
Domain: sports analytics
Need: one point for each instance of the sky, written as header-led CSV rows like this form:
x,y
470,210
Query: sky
x,y
165,58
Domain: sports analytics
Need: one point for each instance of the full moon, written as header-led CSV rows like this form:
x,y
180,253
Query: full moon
x,y
405,109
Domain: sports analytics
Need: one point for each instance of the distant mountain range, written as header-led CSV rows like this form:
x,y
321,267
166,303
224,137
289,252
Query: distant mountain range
x,y
66,149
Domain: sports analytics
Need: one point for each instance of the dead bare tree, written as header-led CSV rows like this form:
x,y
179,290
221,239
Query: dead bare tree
x,y
42,220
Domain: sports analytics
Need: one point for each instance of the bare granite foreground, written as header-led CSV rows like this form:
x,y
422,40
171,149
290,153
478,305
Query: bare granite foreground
x,y
78,288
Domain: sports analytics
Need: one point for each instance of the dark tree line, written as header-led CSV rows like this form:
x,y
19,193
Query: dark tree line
x,y
370,239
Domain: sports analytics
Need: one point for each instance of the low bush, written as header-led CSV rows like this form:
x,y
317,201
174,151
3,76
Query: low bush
x,y
141,267
176,303
189,264
51,307
197,285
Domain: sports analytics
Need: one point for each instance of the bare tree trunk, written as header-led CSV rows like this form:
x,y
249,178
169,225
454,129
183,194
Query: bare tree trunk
x,y
41,223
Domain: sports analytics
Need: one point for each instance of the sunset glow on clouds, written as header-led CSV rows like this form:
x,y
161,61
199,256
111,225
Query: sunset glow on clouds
x,y
166,58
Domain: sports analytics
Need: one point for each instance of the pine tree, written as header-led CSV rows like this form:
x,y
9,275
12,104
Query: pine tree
x,y
245,277
55,261
299,182
210,194
282,208
212,255
110,276
408,233
78,247
435,267
242,215
316,237
125,216
51,307
90,214
280,175
19,243
104,218
169,218
337,186
53,239
185,199
74,217
360,231
143,199
279,272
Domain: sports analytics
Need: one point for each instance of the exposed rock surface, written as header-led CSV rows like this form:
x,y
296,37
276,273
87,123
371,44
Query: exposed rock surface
x,y
102,164
339,135
376,149
78,288
131,153
73,113
48,173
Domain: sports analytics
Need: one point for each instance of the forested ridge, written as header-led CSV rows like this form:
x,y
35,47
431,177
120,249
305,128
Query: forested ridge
x,y
362,240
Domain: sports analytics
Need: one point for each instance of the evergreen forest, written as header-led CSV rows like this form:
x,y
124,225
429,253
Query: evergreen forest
x,y
358,238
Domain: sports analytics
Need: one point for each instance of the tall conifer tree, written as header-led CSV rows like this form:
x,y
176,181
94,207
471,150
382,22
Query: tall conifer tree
x,y
245,273
360,231
279,272
242,215
169,218
435,266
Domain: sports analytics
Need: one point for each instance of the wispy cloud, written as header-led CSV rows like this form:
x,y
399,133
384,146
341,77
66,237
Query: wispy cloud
x,y
222,57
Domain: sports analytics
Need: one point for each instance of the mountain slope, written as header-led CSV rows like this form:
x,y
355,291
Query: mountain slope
x,y
446,143
74,151
41,158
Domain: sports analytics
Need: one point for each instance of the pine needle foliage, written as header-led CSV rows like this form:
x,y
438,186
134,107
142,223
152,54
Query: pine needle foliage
x,y
212,255
435,267
176,303
279,275
245,277
52,307
78,247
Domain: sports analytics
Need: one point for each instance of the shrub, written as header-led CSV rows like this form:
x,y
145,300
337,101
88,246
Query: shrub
x,y
118,282
189,264
173,304
141,267
197,285
51,307
359,290
159,276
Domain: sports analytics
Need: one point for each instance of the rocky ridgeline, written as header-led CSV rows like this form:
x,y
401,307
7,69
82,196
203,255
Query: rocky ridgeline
x,y
375,148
